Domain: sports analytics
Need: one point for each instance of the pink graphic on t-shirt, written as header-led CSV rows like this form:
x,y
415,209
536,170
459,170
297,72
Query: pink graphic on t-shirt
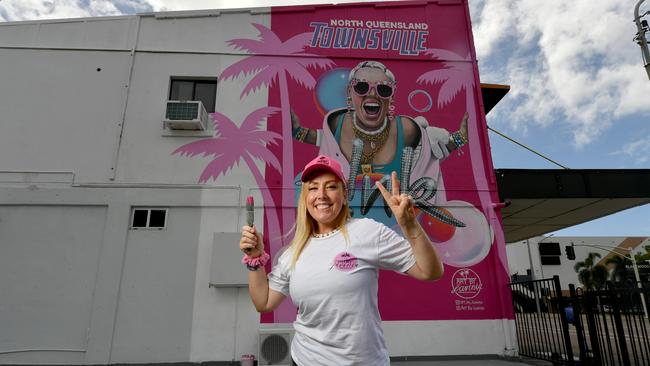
x,y
345,261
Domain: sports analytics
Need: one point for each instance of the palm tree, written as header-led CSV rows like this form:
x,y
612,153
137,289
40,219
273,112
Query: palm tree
x,y
231,144
619,271
272,60
592,276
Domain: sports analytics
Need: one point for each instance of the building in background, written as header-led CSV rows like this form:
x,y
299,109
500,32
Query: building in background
x,y
547,256
121,196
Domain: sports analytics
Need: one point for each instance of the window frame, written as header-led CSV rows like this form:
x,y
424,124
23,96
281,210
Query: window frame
x,y
195,80
550,253
148,227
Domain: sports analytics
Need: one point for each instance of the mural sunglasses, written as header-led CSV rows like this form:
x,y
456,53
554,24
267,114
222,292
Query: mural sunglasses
x,y
384,89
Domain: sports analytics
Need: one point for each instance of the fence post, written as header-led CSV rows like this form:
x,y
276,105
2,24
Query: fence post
x,y
563,320
618,323
591,303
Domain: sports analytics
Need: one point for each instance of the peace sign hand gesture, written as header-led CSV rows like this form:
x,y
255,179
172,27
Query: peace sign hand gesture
x,y
401,205
428,265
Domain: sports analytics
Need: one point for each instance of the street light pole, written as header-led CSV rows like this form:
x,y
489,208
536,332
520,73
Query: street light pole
x,y
532,276
634,266
640,36
638,283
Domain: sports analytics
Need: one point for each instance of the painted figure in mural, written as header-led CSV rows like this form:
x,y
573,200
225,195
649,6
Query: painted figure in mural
x,y
330,270
370,117
370,140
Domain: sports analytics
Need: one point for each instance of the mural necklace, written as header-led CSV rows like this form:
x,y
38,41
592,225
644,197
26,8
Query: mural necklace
x,y
422,189
377,138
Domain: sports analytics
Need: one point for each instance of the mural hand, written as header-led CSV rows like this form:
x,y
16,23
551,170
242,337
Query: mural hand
x,y
295,121
251,242
463,126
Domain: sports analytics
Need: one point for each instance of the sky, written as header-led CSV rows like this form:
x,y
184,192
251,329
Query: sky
x,y
579,93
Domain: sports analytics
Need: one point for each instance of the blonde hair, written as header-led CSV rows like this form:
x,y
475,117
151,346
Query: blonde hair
x,y
305,224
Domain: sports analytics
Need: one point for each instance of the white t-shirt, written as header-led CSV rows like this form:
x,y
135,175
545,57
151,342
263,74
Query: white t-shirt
x,y
334,286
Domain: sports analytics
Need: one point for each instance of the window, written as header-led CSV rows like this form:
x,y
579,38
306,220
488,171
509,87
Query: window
x,y
149,218
549,253
204,90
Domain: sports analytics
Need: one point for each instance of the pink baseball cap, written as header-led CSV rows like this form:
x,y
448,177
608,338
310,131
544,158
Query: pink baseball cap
x,y
322,162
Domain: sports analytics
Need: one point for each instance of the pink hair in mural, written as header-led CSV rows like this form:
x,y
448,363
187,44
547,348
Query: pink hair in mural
x,y
271,60
231,144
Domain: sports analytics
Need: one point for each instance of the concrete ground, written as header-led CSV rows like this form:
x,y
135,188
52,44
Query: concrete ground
x,y
471,362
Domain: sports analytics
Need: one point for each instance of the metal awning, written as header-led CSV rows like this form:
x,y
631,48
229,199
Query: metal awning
x,y
492,94
543,201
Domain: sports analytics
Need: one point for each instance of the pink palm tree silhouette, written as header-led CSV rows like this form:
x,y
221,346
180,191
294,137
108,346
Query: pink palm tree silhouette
x,y
231,144
456,76
272,60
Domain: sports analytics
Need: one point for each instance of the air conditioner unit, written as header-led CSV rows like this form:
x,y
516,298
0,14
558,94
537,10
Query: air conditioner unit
x,y
186,115
275,346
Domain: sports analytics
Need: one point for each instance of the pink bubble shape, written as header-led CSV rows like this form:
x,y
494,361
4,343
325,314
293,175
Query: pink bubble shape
x,y
470,244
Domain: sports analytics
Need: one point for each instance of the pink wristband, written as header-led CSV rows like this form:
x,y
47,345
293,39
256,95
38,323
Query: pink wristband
x,y
257,261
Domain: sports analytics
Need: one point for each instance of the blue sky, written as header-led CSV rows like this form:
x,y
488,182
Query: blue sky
x,y
579,93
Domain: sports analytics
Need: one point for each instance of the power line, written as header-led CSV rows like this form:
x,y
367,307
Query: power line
x,y
527,148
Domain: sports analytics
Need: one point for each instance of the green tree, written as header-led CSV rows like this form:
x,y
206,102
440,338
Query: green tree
x,y
645,256
591,275
619,271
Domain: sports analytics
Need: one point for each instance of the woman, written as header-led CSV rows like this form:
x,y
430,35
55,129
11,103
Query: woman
x,y
331,269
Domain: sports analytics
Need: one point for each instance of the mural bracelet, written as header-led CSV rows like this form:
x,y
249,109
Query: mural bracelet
x,y
458,139
300,133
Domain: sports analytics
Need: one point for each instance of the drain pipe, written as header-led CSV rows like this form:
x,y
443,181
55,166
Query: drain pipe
x,y
125,103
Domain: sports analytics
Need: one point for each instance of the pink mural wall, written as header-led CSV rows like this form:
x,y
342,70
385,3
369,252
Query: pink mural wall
x,y
424,80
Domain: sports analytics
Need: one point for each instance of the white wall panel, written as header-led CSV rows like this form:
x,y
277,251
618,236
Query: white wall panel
x,y
59,113
48,268
154,316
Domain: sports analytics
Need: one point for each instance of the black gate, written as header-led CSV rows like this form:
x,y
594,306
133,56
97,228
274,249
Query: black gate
x,y
604,327
542,327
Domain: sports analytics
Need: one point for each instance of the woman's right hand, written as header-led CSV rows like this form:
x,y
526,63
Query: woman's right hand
x,y
251,242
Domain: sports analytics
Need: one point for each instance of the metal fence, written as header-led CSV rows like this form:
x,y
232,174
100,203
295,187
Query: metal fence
x,y
611,325
604,327
542,329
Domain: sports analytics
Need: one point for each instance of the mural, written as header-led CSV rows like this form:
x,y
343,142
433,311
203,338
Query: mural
x,y
381,88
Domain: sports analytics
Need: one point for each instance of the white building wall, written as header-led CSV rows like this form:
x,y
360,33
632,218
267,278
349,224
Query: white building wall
x,y
59,112
82,116
48,266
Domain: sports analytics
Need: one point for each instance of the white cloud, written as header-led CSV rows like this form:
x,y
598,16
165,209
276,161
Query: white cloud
x,y
568,62
15,10
164,5
638,150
